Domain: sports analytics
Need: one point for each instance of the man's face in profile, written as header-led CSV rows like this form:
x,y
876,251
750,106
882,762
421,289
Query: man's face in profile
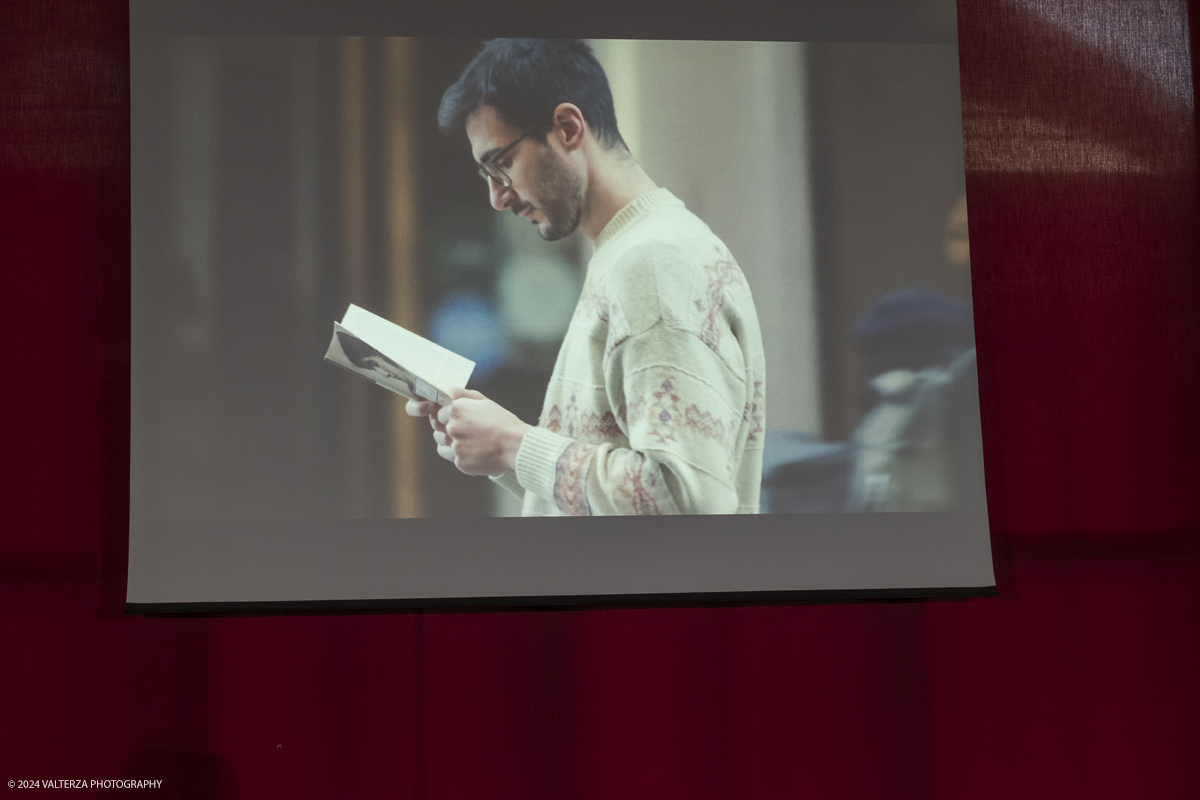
x,y
543,190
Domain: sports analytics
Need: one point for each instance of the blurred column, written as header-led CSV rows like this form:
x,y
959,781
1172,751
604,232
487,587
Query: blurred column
x,y
354,256
403,289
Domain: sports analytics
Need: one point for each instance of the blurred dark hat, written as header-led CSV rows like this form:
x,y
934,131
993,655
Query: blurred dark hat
x,y
914,313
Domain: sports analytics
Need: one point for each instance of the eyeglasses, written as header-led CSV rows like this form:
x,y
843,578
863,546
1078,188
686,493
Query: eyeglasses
x,y
489,170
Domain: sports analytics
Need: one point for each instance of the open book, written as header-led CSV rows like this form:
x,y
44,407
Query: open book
x,y
395,358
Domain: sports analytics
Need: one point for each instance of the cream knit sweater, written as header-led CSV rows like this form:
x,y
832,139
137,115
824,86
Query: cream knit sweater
x,y
656,403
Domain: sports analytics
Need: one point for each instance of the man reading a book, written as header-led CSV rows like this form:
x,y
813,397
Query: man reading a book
x,y
656,402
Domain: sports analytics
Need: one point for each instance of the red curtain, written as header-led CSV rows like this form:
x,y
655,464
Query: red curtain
x,y
1081,679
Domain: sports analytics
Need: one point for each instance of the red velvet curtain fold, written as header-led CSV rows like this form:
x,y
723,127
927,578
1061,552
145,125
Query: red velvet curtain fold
x,y
1080,679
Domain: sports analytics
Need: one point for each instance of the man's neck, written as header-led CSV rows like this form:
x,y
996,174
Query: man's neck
x,y
614,182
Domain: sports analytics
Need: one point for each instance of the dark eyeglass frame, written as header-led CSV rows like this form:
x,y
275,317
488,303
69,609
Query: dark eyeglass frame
x,y
489,170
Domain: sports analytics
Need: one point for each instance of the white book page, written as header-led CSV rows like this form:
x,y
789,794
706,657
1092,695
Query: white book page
x,y
433,363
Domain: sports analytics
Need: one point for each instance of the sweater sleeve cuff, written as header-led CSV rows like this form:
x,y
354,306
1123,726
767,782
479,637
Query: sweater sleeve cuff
x,y
537,461
509,481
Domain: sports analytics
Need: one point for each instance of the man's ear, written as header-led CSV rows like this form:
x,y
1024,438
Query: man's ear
x,y
569,120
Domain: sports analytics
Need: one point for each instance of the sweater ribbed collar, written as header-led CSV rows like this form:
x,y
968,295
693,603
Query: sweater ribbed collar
x,y
633,211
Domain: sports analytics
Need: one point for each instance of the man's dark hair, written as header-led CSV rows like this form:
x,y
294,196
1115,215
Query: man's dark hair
x,y
526,79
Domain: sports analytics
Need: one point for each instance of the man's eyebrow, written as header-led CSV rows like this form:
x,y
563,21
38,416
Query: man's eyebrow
x,y
488,155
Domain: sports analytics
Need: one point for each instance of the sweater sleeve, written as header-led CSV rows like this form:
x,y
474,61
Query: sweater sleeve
x,y
509,481
681,408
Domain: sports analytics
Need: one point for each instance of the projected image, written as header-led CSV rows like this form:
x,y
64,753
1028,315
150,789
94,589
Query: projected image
x,y
675,310
422,320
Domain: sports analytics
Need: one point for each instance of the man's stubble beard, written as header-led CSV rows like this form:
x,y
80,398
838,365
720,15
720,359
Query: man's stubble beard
x,y
560,193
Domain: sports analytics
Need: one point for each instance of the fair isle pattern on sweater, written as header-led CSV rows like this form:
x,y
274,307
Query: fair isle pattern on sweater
x,y
657,401
569,490
756,412
639,486
577,423
664,412
722,273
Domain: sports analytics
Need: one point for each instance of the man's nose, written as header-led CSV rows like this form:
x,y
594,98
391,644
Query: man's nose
x,y
502,197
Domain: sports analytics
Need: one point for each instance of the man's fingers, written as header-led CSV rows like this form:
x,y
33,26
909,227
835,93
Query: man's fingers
x,y
445,445
421,408
445,411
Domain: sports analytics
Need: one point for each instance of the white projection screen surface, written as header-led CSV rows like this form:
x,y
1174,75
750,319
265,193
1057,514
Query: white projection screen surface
x,y
284,168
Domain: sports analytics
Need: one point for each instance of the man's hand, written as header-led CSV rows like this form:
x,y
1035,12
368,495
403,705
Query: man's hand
x,y
479,436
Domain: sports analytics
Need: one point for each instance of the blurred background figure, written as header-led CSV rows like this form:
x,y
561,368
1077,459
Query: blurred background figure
x,y
918,348
912,329
916,448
